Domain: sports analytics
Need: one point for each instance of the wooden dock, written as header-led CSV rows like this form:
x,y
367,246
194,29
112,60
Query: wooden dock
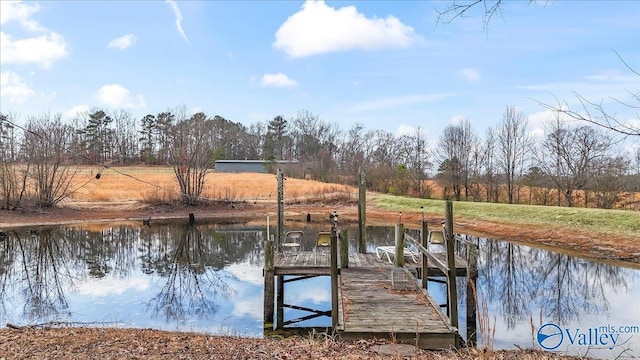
x,y
370,297
368,306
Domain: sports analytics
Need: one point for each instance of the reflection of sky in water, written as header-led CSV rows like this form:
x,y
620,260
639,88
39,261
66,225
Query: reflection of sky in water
x,y
522,285
210,280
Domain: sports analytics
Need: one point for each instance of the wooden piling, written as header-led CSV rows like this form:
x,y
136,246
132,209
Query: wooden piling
x,y
472,302
280,303
424,240
344,249
268,273
280,177
334,277
451,264
362,214
399,258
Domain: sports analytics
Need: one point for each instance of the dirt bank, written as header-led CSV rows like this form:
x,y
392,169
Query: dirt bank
x,y
615,249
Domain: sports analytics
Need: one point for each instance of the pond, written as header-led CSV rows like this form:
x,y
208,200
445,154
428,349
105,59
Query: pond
x,y
208,279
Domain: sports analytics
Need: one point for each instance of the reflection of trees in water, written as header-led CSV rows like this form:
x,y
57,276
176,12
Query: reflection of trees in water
x,y
523,279
190,288
37,270
7,258
46,264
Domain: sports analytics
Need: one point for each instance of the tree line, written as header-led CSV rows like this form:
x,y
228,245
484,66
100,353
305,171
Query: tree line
x,y
569,165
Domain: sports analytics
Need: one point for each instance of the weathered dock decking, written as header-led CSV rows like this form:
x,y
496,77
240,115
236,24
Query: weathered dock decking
x,y
307,263
368,307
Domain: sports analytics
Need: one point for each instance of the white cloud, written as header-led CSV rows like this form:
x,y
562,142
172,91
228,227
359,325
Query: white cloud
x,y
13,88
110,286
42,49
469,74
118,96
75,111
251,307
277,80
123,42
21,12
318,28
395,102
179,18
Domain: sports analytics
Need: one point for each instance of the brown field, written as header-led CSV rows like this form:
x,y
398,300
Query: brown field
x,y
158,184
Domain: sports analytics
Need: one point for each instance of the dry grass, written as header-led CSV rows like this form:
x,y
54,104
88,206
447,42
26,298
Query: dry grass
x,y
158,184
114,343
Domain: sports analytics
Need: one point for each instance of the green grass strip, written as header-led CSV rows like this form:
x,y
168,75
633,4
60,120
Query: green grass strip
x,y
620,222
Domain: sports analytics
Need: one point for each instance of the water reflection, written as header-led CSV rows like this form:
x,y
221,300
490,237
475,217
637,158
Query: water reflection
x,y
176,275
525,280
209,279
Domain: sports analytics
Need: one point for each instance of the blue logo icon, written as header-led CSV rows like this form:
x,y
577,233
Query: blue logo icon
x,y
550,336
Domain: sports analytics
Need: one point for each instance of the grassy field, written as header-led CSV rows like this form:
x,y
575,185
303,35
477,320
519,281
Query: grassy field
x,y
159,184
623,223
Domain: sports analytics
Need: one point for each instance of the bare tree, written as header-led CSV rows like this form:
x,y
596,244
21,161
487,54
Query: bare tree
x,y
514,144
189,155
569,156
415,155
13,175
458,8
454,150
315,144
599,114
54,168
124,136
490,178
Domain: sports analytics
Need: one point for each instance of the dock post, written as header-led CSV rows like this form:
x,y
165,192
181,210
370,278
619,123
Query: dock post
x,y
334,270
344,249
451,264
280,178
268,285
472,302
362,214
280,303
424,239
400,245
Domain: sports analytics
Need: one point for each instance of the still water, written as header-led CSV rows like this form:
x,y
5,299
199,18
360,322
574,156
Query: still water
x,y
209,279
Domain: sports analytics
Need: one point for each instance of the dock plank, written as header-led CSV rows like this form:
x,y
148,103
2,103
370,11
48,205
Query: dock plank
x,y
371,308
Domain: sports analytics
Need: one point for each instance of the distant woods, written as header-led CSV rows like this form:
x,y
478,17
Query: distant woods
x,y
577,165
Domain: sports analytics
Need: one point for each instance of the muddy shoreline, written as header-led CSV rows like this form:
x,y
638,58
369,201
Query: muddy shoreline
x,y
611,249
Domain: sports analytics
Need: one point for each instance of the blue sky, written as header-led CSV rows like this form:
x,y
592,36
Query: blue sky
x,y
387,65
